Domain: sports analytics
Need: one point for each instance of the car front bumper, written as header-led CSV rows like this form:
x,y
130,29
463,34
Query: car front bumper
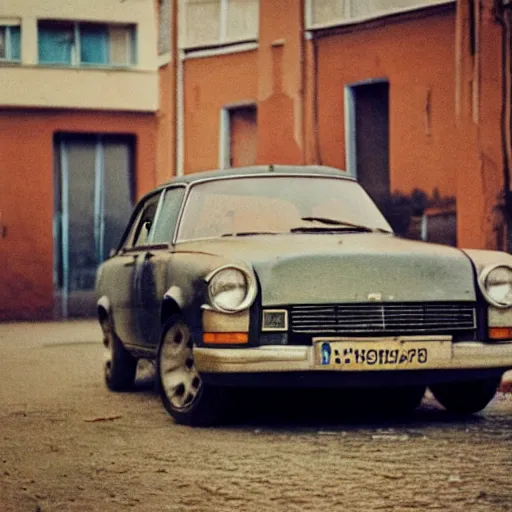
x,y
280,358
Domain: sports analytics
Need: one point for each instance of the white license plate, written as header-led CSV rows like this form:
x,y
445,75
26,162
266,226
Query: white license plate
x,y
388,354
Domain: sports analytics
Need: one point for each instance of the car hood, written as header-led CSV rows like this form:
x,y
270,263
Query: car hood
x,y
355,267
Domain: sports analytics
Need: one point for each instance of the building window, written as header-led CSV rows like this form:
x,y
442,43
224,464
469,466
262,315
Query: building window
x,y
217,22
10,43
164,26
86,44
320,13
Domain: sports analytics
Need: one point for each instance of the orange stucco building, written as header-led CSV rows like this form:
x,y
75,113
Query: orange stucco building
x,y
410,96
407,99
78,144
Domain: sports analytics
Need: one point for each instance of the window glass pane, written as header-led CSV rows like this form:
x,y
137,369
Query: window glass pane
x,y
93,44
202,22
275,204
120,42
3,50
243,19
81,163
145,222
15,43
166,222
55,44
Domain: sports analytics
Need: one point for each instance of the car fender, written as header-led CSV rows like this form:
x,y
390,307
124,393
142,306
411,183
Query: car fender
x,y
104,304
179,301
175,293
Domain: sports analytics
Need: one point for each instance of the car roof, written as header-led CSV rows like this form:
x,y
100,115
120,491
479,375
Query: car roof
x,y
319,170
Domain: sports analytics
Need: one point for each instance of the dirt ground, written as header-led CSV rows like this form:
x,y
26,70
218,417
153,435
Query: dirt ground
x,y
67,444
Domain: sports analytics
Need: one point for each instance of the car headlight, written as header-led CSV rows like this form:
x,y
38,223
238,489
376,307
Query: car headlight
x,y
231,289
496,285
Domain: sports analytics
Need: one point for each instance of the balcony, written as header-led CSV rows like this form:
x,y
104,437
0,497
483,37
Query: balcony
x,y
79,88
105,59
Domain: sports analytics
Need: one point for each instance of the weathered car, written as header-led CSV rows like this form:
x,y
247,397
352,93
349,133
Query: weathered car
x,y
291,276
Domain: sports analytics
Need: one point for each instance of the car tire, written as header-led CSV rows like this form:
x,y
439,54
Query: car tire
x,y
120,366
466,397
184,394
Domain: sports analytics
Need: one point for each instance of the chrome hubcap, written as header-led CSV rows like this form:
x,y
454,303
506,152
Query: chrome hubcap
x,y
178,374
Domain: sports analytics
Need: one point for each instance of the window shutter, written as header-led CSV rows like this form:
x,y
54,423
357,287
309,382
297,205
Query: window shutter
x,y
242,20
120,40
202,22
333,12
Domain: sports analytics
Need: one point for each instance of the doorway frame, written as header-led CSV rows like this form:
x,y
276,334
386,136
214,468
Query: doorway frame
x,y
349,104
225,130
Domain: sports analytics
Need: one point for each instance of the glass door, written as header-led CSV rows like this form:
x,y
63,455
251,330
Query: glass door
x,y
93,200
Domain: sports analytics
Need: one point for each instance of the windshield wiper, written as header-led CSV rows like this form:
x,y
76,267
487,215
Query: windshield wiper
x,y
251,233
334,224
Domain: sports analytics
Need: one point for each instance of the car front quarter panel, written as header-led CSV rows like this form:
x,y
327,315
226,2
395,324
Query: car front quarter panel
x,y
104,304
497,317
188,290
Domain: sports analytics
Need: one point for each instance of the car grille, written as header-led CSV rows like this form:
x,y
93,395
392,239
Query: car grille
x,y
382,318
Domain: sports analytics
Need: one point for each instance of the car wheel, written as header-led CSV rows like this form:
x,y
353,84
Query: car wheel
x,y
466,397
119,365
185,396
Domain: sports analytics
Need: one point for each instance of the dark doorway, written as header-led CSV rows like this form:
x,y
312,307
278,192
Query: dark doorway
x,y
94,196
368,137
243,136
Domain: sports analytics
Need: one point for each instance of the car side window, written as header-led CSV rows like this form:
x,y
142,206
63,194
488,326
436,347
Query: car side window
x,y
144,222
168,216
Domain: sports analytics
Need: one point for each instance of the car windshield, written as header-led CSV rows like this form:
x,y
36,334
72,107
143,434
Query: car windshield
x,y
278,204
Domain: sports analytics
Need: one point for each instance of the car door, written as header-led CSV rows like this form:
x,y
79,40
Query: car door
x,y
118,274
132,252
151,267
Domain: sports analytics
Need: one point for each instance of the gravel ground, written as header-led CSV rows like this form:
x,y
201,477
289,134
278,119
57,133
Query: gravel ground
x,y
67,444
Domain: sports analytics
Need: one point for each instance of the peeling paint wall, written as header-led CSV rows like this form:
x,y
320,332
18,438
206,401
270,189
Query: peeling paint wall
x,y
38,101
280,131
478,100
27,195
210,84
416,57
444,103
